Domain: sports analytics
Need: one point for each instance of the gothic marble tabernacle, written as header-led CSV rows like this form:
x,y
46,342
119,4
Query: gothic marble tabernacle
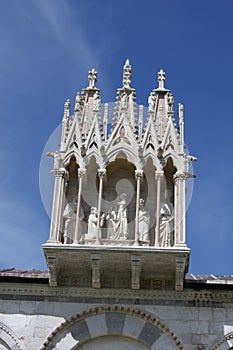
x,y
120,178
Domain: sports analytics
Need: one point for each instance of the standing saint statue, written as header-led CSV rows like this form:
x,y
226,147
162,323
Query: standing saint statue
x,y
69,215
143,222
96,101
124,101
151,102
166,225
92,224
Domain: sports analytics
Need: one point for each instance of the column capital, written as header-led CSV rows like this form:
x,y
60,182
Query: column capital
x,y
60,172
159,175
101,173
81,172
138,173
179,177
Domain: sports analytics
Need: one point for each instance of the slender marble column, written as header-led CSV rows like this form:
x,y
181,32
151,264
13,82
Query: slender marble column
x,y
105,121
158,178
181,125
138,175
101,173
60,176
179,219
81,173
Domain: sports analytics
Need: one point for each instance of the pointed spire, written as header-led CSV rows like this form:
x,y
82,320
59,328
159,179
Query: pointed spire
x,y
127,75
161,79
181,124
105,121
140,122
66,109
92,78
66,122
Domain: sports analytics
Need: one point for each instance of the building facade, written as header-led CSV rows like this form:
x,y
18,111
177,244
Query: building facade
x,y
117,255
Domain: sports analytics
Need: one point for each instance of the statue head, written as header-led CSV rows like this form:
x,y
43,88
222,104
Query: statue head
x,y
93,210
141,203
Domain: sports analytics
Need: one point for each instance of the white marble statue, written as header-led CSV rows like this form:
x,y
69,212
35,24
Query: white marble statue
x,y
143,222
92,77
57,159
170,101
96,101
78,102
117,224
69,216
166,225
123,101
151,103
92,224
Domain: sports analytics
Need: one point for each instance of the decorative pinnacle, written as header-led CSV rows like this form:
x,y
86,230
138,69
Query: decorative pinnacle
x,y
66,109
126,74
92,77
78,101
161,79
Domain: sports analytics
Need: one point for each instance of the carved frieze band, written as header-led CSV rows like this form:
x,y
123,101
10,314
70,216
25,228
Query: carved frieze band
x,y
200,296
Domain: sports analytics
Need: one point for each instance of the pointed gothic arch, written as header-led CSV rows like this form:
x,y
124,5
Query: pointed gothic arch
x,y
72,154
129,151
168,185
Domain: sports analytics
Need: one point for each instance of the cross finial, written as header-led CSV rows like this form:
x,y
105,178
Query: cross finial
x,y
127,74
161,78
92,77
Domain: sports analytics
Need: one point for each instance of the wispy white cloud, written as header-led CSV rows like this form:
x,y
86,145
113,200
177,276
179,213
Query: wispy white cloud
x,y
71,35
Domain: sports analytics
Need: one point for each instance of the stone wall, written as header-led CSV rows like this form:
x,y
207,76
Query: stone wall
x,y
36,316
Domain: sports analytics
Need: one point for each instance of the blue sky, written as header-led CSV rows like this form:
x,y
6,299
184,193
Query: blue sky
x,y
46,50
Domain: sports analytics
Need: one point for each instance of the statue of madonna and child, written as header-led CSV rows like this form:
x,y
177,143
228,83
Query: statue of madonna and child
x,y
117,222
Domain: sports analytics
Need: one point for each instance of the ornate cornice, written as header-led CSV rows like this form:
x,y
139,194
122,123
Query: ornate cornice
x,y
197,297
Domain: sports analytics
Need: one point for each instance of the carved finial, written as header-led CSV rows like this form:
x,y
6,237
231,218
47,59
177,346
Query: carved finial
x,y
127,63
161,79
66,109
92,77
127,74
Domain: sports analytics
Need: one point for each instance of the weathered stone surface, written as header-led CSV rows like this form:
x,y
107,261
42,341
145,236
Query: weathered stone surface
x,y
163,343
115,322
150,333
80,331
133,326
97,325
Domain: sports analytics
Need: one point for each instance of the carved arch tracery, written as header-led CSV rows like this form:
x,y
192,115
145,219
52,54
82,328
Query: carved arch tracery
x,y
76,327
221,341
9,338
